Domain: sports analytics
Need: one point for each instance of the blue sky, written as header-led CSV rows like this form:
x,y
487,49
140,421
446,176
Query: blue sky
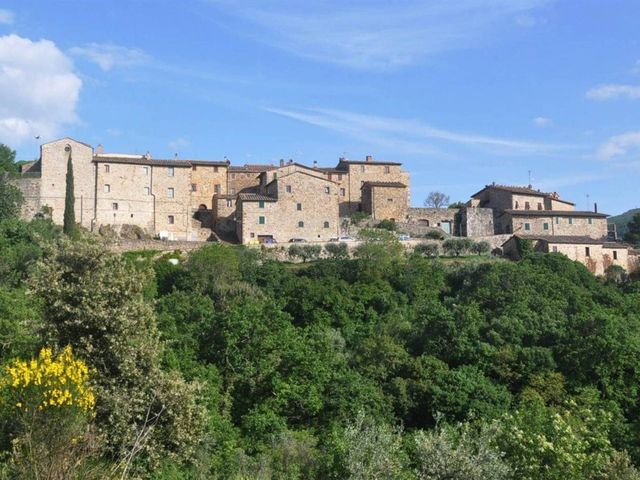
x,y
463,93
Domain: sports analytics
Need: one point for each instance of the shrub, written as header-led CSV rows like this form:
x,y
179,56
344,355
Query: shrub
x,y
481,248
305,252
387,225
358,217
337,251
457,246
427,249
435,235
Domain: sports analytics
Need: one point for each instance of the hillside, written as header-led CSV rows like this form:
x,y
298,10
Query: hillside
x,y
622,220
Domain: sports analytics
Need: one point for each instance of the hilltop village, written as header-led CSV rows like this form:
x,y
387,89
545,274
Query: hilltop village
x,y
196,200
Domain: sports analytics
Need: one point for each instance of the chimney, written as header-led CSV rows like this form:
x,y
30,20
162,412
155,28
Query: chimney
x,y
368,158
315,164
147,155
99,149
282,162
595,207
290,161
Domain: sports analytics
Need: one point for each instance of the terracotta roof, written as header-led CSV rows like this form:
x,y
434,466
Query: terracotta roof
x,y
523,191
564,239
555,213
256,197
384,184
141,161
252,168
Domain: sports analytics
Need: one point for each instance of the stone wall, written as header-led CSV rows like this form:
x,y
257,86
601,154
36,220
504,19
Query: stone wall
x,y
554,225
385,203
443,218
29,185
476,222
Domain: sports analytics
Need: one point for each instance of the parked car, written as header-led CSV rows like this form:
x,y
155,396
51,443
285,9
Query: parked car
x,y
345,239
404,237
297,240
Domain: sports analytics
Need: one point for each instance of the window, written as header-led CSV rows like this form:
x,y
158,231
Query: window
x,y
339,177
215,169
252,235
557,220
527,226
555,249
615,255
298,206
147,190
194,167
107,168
545,226
389,199
343,192
229,203
233,175
261,204
300,224
587,251
114,206
288,188
233,191
527,206
327,189
171,171
590,220
194,187
170,192
145,170
570,220
326,225
517,205
387,169
362,168
216,188
262,220
539,206
171,219
107,188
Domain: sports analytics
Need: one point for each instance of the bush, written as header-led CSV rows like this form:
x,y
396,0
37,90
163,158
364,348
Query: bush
x,y
387,225
337,251
434,235
305,252
427,249
457,246
481,248
358,217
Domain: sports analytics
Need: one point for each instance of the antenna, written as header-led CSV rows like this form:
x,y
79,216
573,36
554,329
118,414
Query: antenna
x,y
588,203
529,178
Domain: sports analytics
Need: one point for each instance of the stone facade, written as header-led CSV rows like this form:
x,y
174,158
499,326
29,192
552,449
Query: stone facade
x,y
385,200
446,219
30,187
549,222
294,205
595,254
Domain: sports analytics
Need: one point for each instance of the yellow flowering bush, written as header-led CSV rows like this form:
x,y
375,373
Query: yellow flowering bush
x,y
48,381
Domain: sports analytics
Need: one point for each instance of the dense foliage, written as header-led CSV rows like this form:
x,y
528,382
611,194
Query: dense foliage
x,y
224,364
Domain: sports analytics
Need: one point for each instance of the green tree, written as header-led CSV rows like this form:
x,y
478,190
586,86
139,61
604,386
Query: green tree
x,y
92,299
69,220
11,199
427,249
337,251
481,248
632,235
7,160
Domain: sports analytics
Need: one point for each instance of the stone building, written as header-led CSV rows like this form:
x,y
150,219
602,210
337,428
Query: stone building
x,y
188,199
596,255
385,200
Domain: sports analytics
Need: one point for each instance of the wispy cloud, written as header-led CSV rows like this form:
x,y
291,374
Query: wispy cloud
x,y
619,146
569,180
178,144
612,91
108,56
410,136
7,17
542,121
377,35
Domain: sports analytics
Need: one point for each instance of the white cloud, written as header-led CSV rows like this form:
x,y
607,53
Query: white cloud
x,y
178,144
6,16
376,35
405,135
542,121
108,56
608,92
619,146
38,89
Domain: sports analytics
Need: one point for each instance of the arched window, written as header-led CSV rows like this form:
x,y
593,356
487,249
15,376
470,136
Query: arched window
x,y
202,207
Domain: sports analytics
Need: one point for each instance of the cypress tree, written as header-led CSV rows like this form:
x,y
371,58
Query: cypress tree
x,y
69,225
